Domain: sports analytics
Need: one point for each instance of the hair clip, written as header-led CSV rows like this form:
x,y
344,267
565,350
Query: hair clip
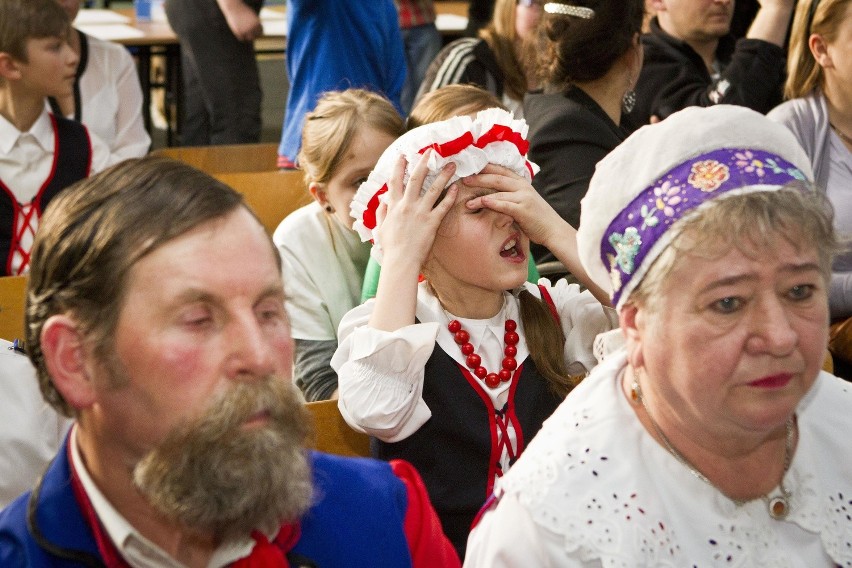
x,y
568,10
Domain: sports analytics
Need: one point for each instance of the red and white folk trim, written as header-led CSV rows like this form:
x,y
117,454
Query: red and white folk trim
x,y
493,137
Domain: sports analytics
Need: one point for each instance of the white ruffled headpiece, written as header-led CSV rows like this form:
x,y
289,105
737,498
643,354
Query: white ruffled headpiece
x,y
493,137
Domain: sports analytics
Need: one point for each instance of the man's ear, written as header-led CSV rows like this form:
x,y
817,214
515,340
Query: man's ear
x,y
631,320
819,49
9,67
65,356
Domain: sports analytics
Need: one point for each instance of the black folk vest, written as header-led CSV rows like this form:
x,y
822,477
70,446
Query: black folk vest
x,y
457,451
72,160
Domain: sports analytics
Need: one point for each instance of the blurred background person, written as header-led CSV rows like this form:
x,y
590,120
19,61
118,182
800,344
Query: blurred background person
x,y
222,93
422,43
333,45
819,113
691,58
499,60
590,61
107,96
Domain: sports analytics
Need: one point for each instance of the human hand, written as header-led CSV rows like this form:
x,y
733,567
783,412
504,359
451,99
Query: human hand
x,y
243,21
409,221
517,198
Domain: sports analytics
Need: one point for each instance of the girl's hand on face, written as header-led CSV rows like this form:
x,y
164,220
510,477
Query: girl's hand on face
x,y
409,221
517,198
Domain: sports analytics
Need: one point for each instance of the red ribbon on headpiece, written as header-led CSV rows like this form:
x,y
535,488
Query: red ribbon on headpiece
x,y
452,147
372,207
497,133
503,133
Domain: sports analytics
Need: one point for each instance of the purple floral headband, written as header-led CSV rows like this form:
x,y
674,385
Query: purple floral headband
x,y
630,237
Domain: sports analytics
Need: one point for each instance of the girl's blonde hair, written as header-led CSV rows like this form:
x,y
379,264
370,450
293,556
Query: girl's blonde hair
x,y
500,35
449,101
823,17
331,126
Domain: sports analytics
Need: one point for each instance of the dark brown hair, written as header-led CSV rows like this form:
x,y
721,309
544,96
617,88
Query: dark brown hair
x,y
501,36
21,20
578,49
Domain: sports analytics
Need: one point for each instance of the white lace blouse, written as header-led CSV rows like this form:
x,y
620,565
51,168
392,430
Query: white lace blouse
x,y
595,489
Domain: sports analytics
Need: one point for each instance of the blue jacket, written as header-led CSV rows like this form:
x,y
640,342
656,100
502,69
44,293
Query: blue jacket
x,y
357,519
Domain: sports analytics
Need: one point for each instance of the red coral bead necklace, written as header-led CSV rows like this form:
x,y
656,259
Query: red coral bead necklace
x,y
474,361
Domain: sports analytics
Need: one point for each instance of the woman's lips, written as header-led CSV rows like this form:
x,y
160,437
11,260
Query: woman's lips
x,y
772,381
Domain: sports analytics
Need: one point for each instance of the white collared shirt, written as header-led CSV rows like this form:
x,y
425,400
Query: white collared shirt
x,y
26,162
111,100
137,550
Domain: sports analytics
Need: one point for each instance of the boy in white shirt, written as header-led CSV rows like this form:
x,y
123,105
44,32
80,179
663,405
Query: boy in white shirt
x,y
40,154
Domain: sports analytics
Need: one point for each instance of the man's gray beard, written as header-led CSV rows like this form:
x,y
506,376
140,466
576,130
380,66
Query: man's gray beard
x,y
213,475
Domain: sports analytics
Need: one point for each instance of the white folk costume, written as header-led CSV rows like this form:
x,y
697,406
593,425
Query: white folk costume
x,y
595,488
412,389
323,262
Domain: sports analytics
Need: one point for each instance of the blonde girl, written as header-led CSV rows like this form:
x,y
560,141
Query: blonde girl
x,y
456,374
323,258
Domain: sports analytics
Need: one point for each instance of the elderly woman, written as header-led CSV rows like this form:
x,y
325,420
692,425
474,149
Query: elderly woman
x,y
711,438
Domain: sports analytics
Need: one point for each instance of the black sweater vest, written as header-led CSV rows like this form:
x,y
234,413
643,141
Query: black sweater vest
x,y
456,450
72,159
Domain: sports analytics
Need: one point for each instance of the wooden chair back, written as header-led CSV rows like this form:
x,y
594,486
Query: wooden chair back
x,y
12,295
226,158
271,195
332,434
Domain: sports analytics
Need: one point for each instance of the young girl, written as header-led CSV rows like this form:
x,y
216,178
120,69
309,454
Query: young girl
x,y
506,350
323,258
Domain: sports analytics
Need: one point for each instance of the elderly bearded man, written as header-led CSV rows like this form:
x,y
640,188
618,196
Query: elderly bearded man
x,y
155,316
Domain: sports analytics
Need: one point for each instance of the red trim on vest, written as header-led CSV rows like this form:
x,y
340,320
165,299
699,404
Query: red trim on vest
x,y
18,229
545,296
494,469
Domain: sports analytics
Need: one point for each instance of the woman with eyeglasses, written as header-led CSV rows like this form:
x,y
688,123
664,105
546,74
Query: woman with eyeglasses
x,y
499,60
819,112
